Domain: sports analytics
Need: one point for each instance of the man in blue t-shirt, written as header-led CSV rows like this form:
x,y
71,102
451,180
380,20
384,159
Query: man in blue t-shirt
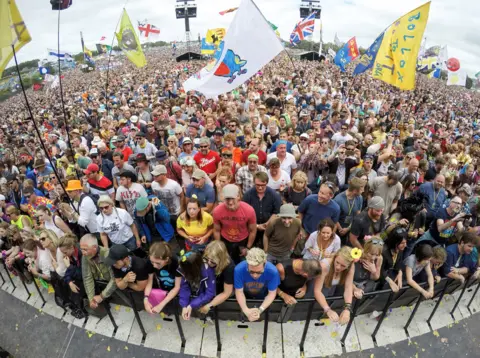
x,y
204,193
460,259
319,206
255,278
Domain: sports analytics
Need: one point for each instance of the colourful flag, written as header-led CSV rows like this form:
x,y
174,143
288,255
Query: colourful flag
x,y
457,78
249,44
274,28
12,32
228,11
435,74
148,31
397,57
207,49
103,48
128,41
103,38
346,54
368,58
214,36
303,29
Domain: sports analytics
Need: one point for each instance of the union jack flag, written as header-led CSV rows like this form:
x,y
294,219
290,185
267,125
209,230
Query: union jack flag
x,y
303,29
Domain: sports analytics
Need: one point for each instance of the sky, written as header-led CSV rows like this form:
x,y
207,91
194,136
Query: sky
x,y
450,23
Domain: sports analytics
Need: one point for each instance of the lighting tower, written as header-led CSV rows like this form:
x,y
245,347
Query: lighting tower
x,y
187,10
306,8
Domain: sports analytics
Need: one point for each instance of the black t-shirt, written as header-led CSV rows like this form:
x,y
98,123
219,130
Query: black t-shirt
x,y
226,276
363,226
165,277
138,266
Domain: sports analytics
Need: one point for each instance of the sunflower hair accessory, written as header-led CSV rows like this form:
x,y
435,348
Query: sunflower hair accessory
x,y
194,196
356,254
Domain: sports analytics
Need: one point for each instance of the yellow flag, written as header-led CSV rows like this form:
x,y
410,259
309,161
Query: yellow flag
x,y
128,41
396,59
12,32
214,36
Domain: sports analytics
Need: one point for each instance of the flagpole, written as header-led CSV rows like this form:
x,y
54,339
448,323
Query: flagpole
x,y
61,91
36,127
295,69
110,56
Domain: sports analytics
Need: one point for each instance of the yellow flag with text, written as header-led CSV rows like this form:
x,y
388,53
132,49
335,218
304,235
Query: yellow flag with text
x,y
12,32
214,36
129,43
396,60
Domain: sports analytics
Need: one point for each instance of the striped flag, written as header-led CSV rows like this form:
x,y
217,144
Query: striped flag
x,y
303,29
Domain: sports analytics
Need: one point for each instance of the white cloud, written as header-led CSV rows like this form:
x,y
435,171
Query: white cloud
x,y
449,24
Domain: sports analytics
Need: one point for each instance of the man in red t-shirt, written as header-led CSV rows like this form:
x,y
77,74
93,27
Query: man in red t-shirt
x,y
207,159
98,184
121,147
254,148
235,223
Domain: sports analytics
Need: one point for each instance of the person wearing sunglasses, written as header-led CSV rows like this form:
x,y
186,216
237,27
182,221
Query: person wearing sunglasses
x,y
255,278
206,159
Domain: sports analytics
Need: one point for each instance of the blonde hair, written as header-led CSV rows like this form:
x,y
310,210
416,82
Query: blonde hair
x,y
105,199
256,257
299,176
68,241
172,137
345,253
372,248
51,236
217,251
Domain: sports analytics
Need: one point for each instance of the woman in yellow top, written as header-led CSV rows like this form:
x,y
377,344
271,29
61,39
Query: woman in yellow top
x,y
195,225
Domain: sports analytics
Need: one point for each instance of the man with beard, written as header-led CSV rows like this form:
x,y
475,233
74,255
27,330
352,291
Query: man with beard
x,y
206,159
368,223
281,234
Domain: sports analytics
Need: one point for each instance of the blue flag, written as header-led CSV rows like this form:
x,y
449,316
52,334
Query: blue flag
x,y
368,58
347,54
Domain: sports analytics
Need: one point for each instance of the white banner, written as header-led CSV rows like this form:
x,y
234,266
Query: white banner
x,y
249,45
457,78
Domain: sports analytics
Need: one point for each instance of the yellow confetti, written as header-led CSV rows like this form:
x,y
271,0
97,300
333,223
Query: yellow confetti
x,y
245,336
404,308
117,308
159,327
40,310
264,355
423,349
394,353
333,334
127,309
50,289
162,315
229,324
436,334
108,348
326,321
126,348
416,355
456,322
372,355
247,330
204,325
90,334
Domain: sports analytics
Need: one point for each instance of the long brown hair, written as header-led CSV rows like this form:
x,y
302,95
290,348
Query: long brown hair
x,y
199,215
346,253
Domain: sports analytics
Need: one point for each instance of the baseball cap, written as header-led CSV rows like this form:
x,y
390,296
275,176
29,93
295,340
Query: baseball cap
x,y
120,138
141,203
304,114
176,109
94,151
134,119
2,197
376,203
198,174
140,134
194,125
230,191
91,168
141,157
466,189
159,169
128,174
116,252
161,155
287,211
304,135
186,140
218,132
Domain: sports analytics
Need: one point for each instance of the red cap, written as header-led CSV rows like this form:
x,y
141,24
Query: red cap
x,y
91,168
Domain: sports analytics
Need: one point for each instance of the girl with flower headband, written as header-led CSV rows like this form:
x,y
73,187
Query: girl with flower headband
x,y
369,267
337,278
198,284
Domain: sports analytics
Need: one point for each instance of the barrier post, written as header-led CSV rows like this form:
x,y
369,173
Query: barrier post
x,y
179,324
39,292
26,288
10,277
473,296
106,304
350,322
217,329
382,316
265,332
307,323
1,276
137,316
438,302
465,285
419,300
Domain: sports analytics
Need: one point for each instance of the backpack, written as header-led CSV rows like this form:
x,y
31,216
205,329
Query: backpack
x,y
94,197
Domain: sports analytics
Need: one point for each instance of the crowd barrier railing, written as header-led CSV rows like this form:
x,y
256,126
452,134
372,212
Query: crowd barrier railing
x,y
305,309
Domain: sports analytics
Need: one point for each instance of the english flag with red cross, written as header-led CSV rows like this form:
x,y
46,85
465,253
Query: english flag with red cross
x,y
148,31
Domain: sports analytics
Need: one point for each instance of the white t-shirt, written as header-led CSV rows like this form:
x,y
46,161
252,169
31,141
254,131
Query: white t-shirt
x,y
275,184
116,225
287,164
129,196
339,139
312,243
169,195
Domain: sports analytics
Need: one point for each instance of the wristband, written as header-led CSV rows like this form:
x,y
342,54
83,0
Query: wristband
x,y
145,297
261,309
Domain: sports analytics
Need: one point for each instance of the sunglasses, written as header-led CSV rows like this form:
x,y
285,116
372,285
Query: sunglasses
x,y
303,139
42,238
227,155
103,208
204,146
170,141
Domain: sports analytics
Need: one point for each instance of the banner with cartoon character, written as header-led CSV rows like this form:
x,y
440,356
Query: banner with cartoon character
x,y
250,43
129,43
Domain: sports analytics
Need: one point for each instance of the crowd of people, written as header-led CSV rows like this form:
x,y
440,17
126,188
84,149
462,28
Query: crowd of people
x,y
303,182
